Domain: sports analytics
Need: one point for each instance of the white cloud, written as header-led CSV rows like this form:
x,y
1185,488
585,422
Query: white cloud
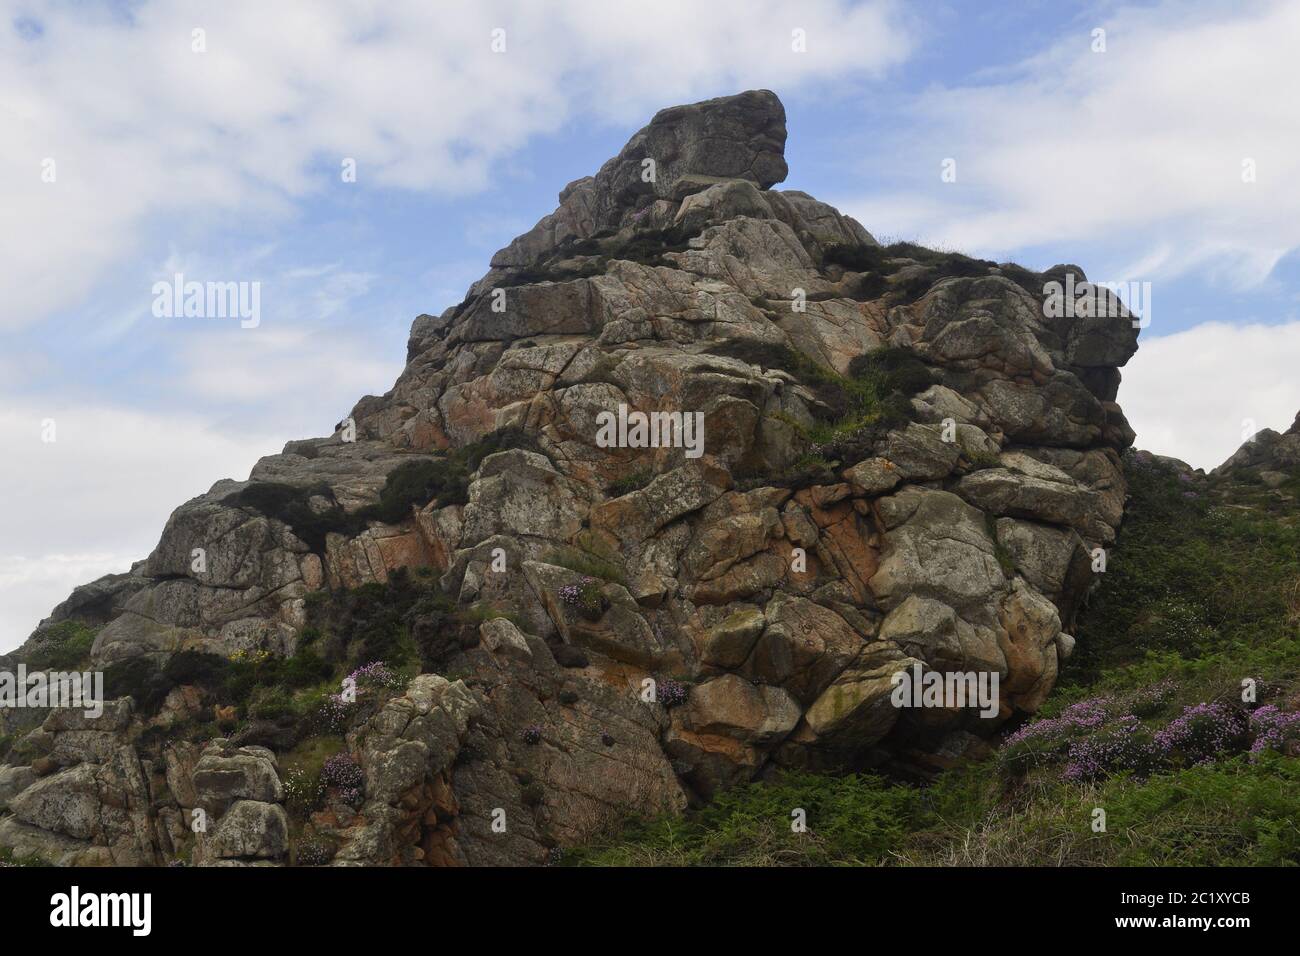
x,y
1192,394
97,497
276,369
31,586
143,130
1140,147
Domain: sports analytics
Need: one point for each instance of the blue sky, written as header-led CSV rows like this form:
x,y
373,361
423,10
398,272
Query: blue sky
x,y
224,164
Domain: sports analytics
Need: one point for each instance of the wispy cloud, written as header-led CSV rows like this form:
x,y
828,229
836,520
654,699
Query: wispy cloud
x,y
138,129
1141,147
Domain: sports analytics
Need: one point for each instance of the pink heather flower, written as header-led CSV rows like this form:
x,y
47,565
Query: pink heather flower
x,y
1203,732
1273,729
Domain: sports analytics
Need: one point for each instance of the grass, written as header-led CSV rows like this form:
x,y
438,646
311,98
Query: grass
x,y
64,646
587,563
1231,814
1197,588
9,858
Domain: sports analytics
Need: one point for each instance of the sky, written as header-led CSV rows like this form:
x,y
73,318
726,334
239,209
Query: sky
x,y
1146,142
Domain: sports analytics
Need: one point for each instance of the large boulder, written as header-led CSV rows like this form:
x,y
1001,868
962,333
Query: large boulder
x,y
905,458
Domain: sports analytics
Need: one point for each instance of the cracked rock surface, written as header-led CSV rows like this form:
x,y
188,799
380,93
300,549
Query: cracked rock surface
x,y
780,578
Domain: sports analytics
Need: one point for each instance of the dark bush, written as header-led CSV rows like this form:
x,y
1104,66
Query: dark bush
x,y
566,655
630,483
854,258
898,370
289,504
140,679
208,671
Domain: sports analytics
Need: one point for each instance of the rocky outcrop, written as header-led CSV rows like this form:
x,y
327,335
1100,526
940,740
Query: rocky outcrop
x,y
1269,455
904,458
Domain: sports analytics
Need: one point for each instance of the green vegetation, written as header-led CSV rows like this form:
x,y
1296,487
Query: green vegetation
x,y
853,412
407,623
1230,814
880,264
1147,723
1200,589
64,646
630,483
589,563
301,772
9,858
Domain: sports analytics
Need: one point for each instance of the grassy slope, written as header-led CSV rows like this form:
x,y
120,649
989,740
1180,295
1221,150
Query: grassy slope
x,y
1200,593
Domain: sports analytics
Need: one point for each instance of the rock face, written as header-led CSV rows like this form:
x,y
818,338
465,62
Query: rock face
x,y
758,590
1268,454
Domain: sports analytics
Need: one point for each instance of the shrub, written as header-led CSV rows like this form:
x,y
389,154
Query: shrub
x,y
327,713
417,483
412,483
64,646
532,795
1274,729
376,674
672,693
1047,740
291,505
630,483
585,597
209,671
1123,746
315,851
855,258
303,791
140,679
1203,733
343,772
272,703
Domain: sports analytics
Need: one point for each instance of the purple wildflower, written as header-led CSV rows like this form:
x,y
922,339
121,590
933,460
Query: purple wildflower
x,y
1121,746
375,674
672,693
1203,732
1274,729
1084,715
343,772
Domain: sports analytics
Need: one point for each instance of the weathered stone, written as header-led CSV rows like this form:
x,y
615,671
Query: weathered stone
x,y
733,707
729,643
248,773
251,829
855,711
937,546
502,637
